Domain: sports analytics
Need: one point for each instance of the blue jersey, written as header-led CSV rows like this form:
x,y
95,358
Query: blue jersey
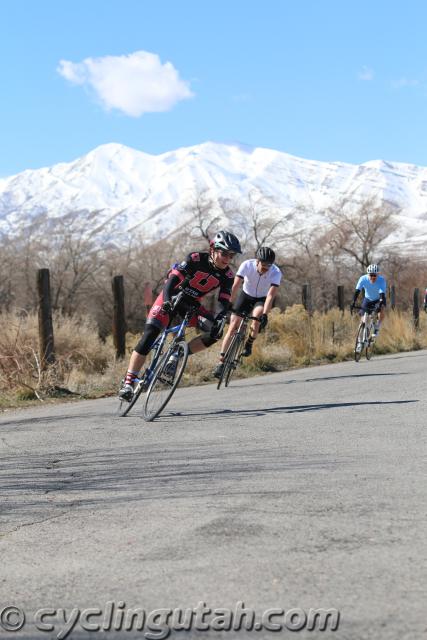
x,y
372,289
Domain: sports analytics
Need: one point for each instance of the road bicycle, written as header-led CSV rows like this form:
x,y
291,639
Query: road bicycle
x,y
141,384
234,352
164,372
365,334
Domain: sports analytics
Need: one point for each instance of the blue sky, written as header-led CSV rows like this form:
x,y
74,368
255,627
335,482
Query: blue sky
x,y
321,79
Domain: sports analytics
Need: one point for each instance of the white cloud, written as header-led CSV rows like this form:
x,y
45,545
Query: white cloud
x,y
366,74
136,83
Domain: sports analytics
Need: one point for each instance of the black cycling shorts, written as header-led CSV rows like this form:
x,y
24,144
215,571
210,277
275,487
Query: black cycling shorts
x,y
246,304
369,305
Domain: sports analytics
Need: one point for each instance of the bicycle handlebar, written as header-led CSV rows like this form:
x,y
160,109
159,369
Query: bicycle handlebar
x,y
374,310
191,302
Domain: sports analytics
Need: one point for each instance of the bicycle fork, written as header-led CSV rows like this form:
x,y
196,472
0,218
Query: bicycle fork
x,y
368,330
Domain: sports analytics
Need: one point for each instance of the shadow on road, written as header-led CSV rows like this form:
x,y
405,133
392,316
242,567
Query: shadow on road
x,y
357,375
301,408
407,354
321,379
37,488
43,420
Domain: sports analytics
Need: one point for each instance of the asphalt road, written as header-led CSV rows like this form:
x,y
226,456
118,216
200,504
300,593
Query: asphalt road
x,y
296,491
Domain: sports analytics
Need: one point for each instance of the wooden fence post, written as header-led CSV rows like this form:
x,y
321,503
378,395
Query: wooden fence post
x,y
340,296
306,297
119,323
393,297
416,308
46,343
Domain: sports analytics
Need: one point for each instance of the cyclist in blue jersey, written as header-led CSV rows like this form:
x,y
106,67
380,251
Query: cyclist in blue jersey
x,y
374,287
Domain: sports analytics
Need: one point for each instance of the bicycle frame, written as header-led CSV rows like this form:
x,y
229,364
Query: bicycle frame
x,y
157,347
244,321
368,321
243,326
233,354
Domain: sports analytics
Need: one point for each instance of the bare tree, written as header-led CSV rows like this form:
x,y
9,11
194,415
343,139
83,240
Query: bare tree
x,y
205,216
308,259
19,259
265,220
359,230
7,269
73,257
257,221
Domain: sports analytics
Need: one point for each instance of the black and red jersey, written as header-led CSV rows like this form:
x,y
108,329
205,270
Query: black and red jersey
x,y
204,277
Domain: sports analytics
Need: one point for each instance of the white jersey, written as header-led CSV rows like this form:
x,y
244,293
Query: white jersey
x,y
256,284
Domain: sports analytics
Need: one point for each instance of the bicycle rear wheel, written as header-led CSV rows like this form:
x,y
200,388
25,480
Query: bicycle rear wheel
x,y
163,383
358,347
235,357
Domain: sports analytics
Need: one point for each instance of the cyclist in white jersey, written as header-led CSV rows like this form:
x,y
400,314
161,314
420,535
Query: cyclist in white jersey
x,y
259,279
374,287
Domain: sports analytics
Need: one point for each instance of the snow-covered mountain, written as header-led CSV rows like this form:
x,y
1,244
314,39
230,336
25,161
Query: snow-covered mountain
x,y
116,189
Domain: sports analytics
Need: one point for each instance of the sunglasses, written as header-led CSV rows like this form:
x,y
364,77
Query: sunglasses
x,y
226,254
264,265
373,275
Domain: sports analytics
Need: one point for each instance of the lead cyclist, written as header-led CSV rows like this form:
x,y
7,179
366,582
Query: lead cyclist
x,y
259,279
208,271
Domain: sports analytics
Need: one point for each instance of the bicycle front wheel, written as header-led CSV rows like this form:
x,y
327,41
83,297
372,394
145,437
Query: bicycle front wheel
x,y
369,345
125,406
165,381
229,360
234,358
358,347
141,387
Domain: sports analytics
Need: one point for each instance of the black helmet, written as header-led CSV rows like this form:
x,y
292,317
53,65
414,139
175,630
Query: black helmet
x,y
265,254
226,240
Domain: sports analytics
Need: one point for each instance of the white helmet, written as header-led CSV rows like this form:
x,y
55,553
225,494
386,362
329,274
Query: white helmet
x,y
372,268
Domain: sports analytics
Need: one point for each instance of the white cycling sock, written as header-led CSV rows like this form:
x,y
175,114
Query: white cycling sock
x,y
131,376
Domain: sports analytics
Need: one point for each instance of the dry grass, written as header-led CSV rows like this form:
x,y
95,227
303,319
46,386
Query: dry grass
x,y
79,351
86,366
